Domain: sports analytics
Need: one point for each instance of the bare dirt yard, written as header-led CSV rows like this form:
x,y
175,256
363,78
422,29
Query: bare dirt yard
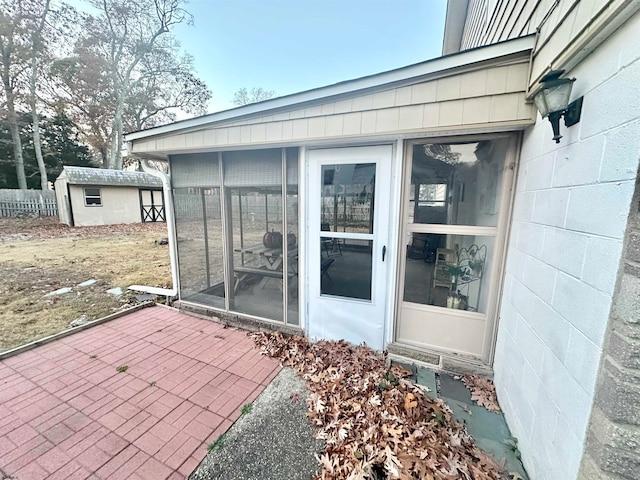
x,y
39,256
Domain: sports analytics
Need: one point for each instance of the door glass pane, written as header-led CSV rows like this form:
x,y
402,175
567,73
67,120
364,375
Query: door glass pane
x,y
448,270
293,235
347,197
346,267
457,184
255,223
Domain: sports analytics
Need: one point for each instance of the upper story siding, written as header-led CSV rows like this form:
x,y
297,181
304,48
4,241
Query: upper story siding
x,y
567,29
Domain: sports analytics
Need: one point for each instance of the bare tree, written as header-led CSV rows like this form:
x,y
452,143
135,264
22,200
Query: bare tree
x,y
166,84
13,55
38,24
123,34
245,96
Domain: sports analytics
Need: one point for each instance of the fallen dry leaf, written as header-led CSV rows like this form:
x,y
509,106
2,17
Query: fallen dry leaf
x,y
375,423
483,392
410,402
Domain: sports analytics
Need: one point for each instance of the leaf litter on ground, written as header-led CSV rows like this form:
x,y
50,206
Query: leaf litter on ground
x,y
376,424
483,392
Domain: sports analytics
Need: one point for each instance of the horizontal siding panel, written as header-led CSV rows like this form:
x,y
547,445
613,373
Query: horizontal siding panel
x,y
316,127
476,110
517,77
333,126
478,97
362,103
387,119
384,99
497,80
423,93
451,113
507,28
448,88
287,130
403,96
431,115
352,124
526,110
410,118
368,124
504,107
245,134
343,106
258,133
300,128
274,131
473,84
234,135
327,108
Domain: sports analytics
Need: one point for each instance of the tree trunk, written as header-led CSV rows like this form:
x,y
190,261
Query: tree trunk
x,y
37,144
17,149
15,132
115,154
119,144
36,45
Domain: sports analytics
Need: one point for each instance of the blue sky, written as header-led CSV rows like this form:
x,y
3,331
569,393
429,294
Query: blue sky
x,y
295,45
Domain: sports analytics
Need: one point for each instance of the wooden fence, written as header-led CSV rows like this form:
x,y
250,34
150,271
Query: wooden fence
x,y
27,203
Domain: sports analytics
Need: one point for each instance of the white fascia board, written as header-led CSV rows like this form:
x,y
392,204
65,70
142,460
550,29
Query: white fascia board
x,y
454,21
417,70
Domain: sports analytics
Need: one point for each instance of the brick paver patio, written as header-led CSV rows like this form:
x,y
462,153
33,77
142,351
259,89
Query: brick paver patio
x,y
67,413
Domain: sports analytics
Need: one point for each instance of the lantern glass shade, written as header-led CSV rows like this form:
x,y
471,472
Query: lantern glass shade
x,y
553,96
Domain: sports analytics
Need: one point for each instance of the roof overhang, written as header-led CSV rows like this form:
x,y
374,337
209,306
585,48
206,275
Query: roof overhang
x,y
454,26
404,75
106,177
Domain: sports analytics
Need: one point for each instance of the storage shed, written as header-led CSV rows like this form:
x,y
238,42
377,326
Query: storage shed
x,y
96,196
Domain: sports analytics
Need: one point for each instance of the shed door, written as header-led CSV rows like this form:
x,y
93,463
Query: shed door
x,y
152,205
349,192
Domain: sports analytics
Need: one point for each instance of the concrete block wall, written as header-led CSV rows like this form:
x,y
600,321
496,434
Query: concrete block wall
x,y
570,214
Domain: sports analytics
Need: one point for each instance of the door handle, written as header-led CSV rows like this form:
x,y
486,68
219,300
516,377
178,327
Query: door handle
x,y
384,252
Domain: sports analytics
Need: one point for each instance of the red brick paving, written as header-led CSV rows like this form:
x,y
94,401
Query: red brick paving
x,y
67,413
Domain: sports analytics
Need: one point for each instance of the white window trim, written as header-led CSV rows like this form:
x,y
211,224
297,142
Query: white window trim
x,y
84,191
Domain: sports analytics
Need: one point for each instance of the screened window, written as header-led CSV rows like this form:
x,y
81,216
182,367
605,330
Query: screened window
x,y
92,197
237,229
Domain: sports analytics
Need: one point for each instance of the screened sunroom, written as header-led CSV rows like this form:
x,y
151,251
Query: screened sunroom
x,y
236,217
375,210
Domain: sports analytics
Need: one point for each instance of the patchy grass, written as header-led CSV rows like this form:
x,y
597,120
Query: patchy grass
x,y
34,264
122,368
217,445
246,408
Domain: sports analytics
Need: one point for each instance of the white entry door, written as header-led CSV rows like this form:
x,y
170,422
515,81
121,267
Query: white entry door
x,y
348,247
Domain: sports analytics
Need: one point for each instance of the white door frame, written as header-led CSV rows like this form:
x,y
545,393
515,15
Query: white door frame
x,y
378,309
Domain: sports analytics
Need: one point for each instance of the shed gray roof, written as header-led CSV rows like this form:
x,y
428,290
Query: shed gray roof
x,y
102,176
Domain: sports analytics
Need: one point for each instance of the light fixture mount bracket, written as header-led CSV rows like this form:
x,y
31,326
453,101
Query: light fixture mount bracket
x,y
573,112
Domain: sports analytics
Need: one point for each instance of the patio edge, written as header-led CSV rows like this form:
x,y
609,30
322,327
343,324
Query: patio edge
x,y
71,331
239,321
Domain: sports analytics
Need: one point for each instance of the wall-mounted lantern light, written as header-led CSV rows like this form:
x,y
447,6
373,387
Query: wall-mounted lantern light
x,y
552,100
